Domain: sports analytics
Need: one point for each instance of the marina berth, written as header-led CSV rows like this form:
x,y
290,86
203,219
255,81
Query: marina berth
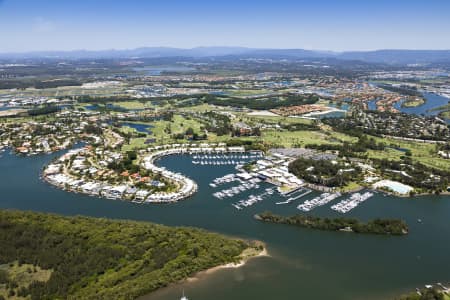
x,y
87,170
295,195
253,199
318,201
80,165
351,202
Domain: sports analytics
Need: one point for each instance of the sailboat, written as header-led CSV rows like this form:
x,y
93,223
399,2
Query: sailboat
x,y
184,297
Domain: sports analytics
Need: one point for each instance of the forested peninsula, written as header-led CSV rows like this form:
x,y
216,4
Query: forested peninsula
x,y
45,256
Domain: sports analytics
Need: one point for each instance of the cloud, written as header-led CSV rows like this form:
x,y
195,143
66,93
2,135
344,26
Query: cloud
x,y
41,25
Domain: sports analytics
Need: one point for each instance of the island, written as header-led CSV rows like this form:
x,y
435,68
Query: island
x,y
377,226
45,256
413,102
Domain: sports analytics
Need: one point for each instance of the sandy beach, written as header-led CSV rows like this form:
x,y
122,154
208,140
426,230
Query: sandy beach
x,y
247,255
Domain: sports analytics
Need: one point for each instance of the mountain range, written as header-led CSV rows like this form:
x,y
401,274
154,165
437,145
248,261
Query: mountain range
x,y
377,56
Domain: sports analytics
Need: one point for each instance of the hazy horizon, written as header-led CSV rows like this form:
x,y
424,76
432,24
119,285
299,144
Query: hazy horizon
x,y
230,47
323,25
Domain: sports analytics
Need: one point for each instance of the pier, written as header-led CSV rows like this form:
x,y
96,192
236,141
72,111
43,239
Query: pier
x,y
292,199
318,201
351,202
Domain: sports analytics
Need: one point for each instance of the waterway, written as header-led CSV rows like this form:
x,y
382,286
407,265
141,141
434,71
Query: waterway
x,y
139,127
108,106
304,264
432,102
4,108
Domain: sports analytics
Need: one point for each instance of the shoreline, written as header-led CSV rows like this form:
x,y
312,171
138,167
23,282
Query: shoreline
x,y
416,195
187,186
244,259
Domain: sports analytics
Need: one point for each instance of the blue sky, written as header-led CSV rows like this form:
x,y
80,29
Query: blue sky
x,y
29,25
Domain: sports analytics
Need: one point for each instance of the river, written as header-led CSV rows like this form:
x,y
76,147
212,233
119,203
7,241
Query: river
x,y
304,264
432,101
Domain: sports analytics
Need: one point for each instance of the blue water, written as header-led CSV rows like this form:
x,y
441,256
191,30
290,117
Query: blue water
x,y
331,115
335,114
218,93
144,128
4,108
426,109
432,101
109,105
344,106
372,104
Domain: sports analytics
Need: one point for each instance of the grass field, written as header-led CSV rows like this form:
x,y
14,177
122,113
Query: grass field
x,y
423,152
69,91
244,93
162,132
201,108
274,119
351,186
133,104
302,138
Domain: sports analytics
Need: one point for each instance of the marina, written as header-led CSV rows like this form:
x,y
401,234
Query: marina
x,y
303,192
351,202
234,191
318,201
224,159
224,179
71,177
253,199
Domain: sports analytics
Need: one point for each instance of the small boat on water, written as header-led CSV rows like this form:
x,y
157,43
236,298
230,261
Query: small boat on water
x,y
236,206
184,297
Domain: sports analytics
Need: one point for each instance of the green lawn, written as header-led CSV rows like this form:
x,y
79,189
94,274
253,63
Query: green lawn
x,y
351,186
160,132
274,119
423,152
302,138
133,104
244,92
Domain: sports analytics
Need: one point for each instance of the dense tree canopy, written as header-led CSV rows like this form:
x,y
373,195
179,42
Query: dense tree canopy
x,y
377,226
104,259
